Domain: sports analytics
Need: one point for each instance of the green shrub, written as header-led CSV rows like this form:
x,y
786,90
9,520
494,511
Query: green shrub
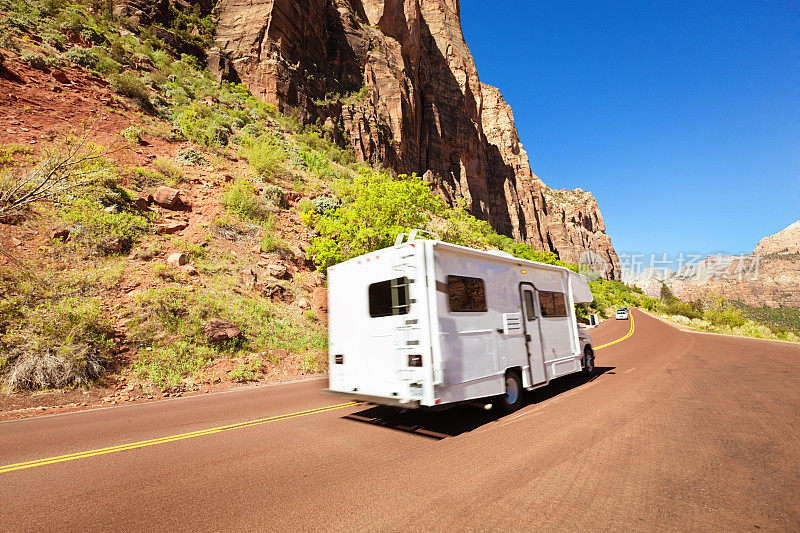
x,y
171,172
169,365
274,195
313,363
105,65
324,204
83,57
190,157
133,135
265,154
128,84
248,371
200,124
376,208
34,60
241,198
170,323
690,310
104,217
9,154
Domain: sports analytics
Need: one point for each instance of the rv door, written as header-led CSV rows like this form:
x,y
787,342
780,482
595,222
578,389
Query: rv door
x,y
533,334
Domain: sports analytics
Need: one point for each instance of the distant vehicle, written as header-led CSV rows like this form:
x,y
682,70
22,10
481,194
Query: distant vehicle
x,y
622,314
430,324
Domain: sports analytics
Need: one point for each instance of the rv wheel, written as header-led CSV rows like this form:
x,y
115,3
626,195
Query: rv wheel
x,y
512,399
588,362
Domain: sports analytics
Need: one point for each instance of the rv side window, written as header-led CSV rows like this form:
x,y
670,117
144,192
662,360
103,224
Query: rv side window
x,y
553,304
466,294
388,297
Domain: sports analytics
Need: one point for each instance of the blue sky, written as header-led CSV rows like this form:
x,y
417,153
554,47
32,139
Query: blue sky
x,y
681,117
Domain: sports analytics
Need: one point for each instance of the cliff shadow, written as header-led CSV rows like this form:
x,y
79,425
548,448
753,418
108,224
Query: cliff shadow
x,y
450,145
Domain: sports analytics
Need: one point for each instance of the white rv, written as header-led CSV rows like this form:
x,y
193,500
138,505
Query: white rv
x,y
426,323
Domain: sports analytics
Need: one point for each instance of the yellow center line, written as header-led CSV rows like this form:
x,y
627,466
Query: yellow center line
x,y
170,438
209,431
630,332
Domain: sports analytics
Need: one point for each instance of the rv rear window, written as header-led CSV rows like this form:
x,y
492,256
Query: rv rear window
x,y
389,297
466,294
553,304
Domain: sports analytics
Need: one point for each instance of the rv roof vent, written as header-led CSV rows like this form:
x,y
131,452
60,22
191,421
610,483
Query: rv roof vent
x,y
500,253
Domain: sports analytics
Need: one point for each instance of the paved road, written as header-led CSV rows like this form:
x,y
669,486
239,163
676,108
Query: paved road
x,y
679,431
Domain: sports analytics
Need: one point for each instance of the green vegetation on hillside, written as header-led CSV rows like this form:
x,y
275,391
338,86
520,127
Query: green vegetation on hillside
x,y
718,315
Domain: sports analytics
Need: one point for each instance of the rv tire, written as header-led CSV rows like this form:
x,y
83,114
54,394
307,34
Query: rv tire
x,y
511,400
588,361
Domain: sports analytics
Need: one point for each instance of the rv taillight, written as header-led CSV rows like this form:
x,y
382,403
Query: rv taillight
x,y
338,359
414,360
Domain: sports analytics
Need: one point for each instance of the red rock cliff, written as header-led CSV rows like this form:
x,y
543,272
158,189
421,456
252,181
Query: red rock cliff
x,y
396,80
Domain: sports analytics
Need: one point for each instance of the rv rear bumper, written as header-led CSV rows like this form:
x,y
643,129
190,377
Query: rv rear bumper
x,y
382,400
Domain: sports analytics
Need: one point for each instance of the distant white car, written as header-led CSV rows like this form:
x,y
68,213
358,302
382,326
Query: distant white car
x,y
622,314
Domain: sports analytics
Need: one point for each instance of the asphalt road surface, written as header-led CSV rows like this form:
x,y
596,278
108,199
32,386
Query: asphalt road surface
x,y
678,431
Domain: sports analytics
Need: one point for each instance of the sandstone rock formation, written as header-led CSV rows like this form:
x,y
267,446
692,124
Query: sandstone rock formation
x,y
786,241
770,276
396,80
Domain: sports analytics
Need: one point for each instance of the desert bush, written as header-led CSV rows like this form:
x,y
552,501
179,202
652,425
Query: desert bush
x,y
324,204
690,310
83,57
274,195
105,64
110,231
252,129
132,134
8,42
128,84
35,60
169,365
170,322
171,172
190,157
199,123
248,371
241,199
9,154
314,363
59,344
265,154
65,170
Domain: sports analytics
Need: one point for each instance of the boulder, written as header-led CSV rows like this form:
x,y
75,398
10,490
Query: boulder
x,y
220,331
111,246
142,254
167,197
172,226
143,201
61,234
60,77
178,259
278,271
248,277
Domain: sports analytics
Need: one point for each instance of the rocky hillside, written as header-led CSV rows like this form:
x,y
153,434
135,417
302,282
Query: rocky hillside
x,y
395,80
769,277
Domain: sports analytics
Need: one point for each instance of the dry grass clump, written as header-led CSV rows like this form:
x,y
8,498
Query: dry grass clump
x,y
59,344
